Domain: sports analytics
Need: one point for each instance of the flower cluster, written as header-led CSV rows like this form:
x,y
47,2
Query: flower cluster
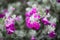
x,y
9,21
29,19
10,25
32,19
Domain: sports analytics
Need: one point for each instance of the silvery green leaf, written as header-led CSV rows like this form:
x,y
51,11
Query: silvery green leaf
x,y
35,4
53,1
0,20
1,35
50,28
32,33
20,33
48,15
29,3
14,16
32,0
38,0
45,1
42,13
1,27
44,31
58,6
16,5
54,20
28,9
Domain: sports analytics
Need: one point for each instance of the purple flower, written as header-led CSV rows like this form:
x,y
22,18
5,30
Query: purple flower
x,y
47,11
33,22
52,34
34,25
9,24
45,21
18,18
32,11
53,24
10,29
58,1
2,15
4,11
32,19
33,38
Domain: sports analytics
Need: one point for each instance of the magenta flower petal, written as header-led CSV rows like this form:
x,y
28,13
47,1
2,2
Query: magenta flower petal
x,y
53,24
29,13
2,15
29,25
17,18
5,10
52,34
58,1
37,16
47,11
45,21
33,38
34,10
32,18
10,25
10,29
36,25
32,25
